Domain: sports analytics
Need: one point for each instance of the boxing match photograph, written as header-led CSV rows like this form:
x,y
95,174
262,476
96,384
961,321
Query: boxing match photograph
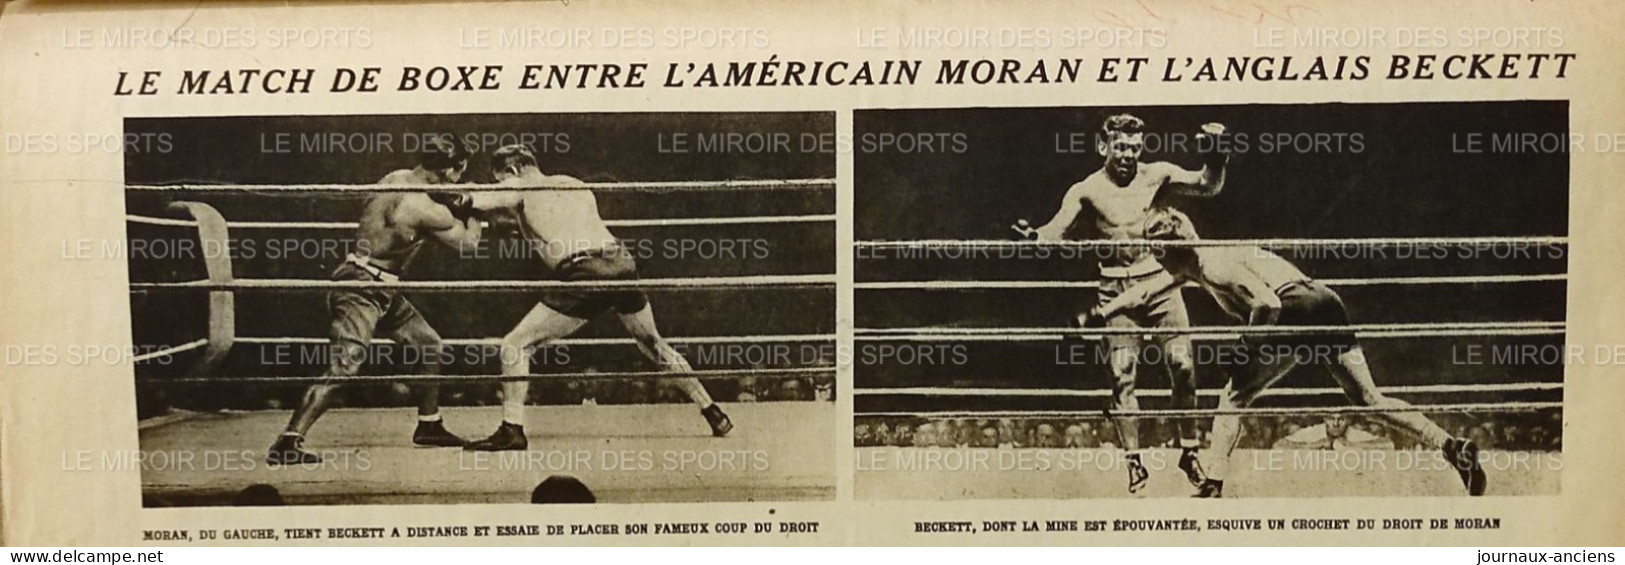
x,y
1211,301
483,308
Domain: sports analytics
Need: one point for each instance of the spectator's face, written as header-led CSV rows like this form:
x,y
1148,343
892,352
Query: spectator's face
x,y
990,437
1481,435
862,430
925,435
1046,435
1074,436
904,432
1337,426
790,390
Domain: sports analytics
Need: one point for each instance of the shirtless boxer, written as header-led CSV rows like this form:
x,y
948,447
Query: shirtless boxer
x,y
1118,197
393,228
564,227
1263,289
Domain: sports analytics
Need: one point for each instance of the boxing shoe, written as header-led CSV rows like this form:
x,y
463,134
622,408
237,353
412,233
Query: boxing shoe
x,y
1209,489
720,424
434,434
289,450
508,437
1463,455
1192,467
1137,474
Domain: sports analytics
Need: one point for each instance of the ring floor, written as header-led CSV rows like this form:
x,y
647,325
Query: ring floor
x,y
891,473
638,453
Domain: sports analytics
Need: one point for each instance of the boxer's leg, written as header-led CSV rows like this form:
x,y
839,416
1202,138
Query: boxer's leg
x,y
406,326
541,325
426,350
1264,366
1353,374
640,323
354,318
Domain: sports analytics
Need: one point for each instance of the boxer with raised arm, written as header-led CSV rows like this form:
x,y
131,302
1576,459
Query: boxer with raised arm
x,y
564,228
1117,198
1262,289
392,229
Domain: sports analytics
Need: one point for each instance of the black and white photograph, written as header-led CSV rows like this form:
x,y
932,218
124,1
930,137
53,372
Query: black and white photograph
x,y
483,308
1211,301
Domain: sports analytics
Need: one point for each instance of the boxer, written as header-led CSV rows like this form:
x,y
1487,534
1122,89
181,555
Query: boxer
x,y
564,227
1118,197
1263,289
392,230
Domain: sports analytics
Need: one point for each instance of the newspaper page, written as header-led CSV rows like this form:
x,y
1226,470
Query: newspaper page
x,y
1119,272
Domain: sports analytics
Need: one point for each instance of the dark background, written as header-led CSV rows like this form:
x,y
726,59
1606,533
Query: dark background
x,y
595,147
1409,178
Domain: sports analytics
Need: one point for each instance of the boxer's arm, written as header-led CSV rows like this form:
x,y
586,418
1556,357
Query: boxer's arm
x,y
1208,181
493,201
456,232
1071,206
1214,144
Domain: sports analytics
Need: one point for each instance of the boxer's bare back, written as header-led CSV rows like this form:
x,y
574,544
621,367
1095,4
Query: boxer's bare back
x,y
555,223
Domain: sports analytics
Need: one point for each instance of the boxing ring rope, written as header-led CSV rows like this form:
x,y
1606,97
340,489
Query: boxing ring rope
x,y
921,249
756,281
1022,285
220,284
639,222
1437,329
171,350
1001,244
1102,393
691,340
638,186
1209,412
788,372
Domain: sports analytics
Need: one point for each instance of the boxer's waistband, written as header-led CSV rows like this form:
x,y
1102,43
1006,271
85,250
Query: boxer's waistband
x,y
377,272
585,254
1146,266
1289,285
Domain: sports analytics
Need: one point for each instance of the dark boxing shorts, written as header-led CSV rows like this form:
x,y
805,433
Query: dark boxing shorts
x,y
359,314
602,264
1307,303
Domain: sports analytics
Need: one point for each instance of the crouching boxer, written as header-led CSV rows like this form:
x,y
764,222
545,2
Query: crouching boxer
x,y
1262,289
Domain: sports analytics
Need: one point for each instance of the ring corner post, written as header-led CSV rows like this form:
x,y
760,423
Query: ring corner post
x,y
211,227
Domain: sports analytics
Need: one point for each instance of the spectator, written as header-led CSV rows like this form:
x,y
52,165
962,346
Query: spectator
x,y
562,489
989,437
1484,436
748,391
863,437
925,435
1074,436
258,495
792,389
1046,436
903,436
882,433
1108,434
824,389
